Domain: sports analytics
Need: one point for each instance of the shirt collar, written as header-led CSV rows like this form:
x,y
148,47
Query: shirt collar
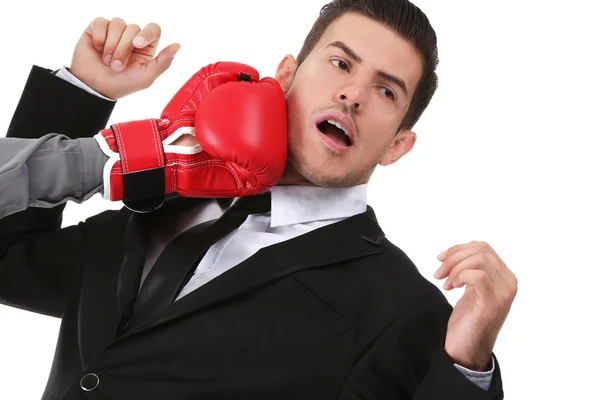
x,y
299,204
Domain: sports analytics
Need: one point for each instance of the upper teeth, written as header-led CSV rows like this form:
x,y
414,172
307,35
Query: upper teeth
x,y
339,125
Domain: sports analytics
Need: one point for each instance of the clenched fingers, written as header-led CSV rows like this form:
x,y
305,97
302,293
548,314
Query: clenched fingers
x,y
453,258
148,39
476,261
97,30
116,27
124,48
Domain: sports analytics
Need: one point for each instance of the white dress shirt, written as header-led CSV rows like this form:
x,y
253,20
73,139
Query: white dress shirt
x,y
295,210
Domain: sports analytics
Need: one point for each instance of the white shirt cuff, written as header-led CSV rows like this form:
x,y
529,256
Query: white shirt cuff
x,y
69,77
481,379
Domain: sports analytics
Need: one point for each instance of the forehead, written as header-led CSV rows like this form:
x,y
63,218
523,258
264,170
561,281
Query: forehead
x,y
377,45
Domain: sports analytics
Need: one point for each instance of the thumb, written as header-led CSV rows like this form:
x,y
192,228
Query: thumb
x,y
162,61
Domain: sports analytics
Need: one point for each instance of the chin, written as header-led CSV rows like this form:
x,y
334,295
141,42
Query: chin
x,y
321,175
311,162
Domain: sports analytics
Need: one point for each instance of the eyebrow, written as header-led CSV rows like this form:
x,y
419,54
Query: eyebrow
x,y
355,57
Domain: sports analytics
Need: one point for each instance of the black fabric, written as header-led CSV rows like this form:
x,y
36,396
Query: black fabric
x,y
144,191
84,116
336,313
48,104
176,264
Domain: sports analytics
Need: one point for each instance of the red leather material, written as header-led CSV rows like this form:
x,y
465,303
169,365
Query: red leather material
x,y
140,145
240,123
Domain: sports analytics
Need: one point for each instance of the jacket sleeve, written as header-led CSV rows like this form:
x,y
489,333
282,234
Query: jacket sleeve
x,y
50,104
38,259
408,362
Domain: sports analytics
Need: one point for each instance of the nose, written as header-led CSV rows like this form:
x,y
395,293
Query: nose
x,y
355,105
354,93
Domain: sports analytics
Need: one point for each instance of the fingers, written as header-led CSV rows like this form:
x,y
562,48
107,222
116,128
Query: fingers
x,y
455,249
116,27
117,40
124,48
452,258
476,261
473,255
148,38
162,62
479,280
120,45
97,29
476,256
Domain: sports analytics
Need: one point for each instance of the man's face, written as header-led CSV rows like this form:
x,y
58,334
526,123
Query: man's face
x,y
361,76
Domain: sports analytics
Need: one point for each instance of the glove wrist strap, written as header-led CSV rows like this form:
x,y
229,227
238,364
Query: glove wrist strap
x,y
143,164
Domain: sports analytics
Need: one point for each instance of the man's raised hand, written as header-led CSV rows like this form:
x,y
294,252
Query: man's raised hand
x,y
117,59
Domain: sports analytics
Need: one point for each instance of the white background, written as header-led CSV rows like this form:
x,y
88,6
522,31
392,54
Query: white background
x,y
506,153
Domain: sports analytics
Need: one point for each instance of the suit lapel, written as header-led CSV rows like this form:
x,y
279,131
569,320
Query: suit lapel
x,y
354,237
110,291
130,273
109,287
136,243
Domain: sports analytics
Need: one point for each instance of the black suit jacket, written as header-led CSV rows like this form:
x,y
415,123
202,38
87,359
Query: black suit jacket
x,y
338,313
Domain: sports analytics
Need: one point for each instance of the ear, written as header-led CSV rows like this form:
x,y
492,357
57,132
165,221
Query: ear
x,y
402,144
286,71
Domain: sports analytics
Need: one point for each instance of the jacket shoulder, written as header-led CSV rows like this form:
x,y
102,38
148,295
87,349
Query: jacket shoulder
x,y
398,280
377,289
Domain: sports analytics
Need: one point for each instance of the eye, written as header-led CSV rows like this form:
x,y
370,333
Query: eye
x,y
340,64
388,93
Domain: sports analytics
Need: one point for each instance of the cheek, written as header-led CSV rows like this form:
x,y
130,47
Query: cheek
x,y
294,108
297,117
318,83
302,100
379,136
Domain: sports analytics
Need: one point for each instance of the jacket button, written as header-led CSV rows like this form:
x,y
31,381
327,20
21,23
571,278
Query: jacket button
x,y
89,382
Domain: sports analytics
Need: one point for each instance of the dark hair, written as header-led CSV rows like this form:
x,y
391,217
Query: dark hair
x,y
404,18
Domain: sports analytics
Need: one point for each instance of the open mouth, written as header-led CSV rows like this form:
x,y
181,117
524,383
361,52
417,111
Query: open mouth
x,y
336,131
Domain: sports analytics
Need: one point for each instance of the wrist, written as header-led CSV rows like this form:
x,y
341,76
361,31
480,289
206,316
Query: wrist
x,y
479,362
479,367
72,76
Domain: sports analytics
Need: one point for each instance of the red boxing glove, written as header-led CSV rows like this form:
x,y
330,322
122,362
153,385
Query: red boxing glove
x,y
144,165
243,125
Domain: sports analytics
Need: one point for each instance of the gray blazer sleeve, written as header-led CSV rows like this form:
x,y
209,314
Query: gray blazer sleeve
x,y
48,171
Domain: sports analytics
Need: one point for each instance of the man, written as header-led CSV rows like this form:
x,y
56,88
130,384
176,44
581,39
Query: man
x,y
328,308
